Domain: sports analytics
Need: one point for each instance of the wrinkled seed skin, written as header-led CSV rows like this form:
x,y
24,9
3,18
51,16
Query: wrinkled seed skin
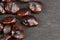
x,y
30,21
21,30
25,1
24,12
35,3
10,20
1,27
7,29
2,11
10,9
7,0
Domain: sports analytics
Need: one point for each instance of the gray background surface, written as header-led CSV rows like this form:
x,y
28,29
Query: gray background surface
x,y
49,28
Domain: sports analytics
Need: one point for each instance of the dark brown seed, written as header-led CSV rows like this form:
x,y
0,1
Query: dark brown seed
x,y
7,29
2,8
7,0
1,36
36,7
18,32
25,0
30,21
12,7
14,38
4,37
9,20
10,38
1,27
23,12
7,37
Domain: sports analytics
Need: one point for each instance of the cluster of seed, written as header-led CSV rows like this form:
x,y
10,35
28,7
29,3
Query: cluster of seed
x,y
9,29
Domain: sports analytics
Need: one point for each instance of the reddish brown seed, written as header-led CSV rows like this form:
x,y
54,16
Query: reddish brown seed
x,y
14,38
1,36
36,7
10,38
7,29
18,32
7,0
23,12
25,0
2,8
9,20
1,27
30,21
4,37
12,7
7,37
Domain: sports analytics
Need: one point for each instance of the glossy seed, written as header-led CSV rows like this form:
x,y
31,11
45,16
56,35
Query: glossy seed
x,y
4,37
6,0
7,37
24,12
25,0
12,7
9,20
36,7
18,32
30,21
1,27
7,29
2,8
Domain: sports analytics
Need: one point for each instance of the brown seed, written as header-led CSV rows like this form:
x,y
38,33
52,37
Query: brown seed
x,y
14,38
30,21
6,0
23,12
9,20
10,38
1,36
4,37
7,37
7,29
2,8
12,7
18,32
36,7
25,0
1,27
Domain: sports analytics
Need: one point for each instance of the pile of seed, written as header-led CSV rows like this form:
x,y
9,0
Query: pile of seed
x,y
9,29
